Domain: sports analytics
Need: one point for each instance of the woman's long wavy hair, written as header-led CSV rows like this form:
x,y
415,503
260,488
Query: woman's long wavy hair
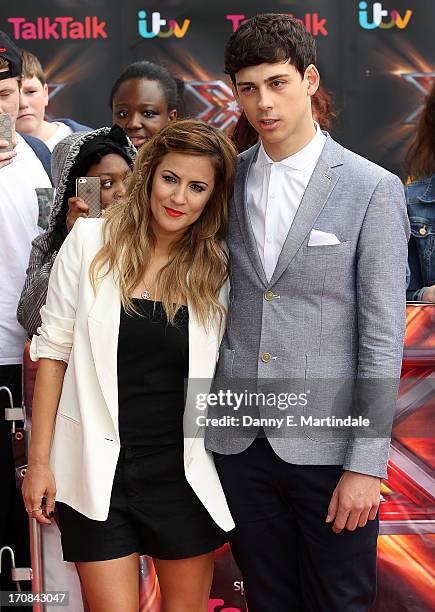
x,y
421,154
198,263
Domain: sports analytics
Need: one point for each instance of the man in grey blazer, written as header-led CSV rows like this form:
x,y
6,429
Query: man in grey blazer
x,y
318,248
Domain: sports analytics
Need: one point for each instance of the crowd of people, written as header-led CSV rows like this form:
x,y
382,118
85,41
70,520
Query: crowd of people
x,y
200,258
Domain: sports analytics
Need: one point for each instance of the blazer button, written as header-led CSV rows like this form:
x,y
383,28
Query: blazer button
x,y
266,357
268,296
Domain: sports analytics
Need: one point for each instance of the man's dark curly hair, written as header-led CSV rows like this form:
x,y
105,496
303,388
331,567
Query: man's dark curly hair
x,y
269,38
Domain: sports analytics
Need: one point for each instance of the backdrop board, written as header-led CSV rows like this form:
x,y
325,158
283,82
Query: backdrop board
x,y
379,74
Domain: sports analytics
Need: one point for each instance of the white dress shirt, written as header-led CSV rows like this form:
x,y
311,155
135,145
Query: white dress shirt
x,y
274,192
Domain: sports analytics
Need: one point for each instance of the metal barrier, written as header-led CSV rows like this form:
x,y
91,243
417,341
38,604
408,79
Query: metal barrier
x,y
20,445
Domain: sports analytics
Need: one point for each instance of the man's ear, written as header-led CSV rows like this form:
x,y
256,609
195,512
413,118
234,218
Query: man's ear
x,y
45,89
312,78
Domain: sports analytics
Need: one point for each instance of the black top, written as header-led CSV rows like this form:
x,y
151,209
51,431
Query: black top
x,y
153,362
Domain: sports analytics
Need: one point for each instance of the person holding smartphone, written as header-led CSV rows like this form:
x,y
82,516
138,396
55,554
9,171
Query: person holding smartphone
x,y
136,305
21,172
105,153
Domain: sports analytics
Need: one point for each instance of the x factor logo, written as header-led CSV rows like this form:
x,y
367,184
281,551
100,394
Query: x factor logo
x,y
219,108
53,90
423,81
409,494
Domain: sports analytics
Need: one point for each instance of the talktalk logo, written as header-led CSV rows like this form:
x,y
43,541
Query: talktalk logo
x,y
378,15
311,21
152,26
44,28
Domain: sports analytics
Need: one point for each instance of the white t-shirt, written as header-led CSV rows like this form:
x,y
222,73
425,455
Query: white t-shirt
x,y
18,227
62,131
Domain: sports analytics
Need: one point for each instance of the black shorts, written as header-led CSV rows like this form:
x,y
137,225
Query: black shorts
x,y
153,511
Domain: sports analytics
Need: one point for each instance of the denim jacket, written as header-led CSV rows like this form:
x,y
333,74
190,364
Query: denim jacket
x,y
420,198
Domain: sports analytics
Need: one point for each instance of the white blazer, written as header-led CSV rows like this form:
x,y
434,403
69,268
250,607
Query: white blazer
x,y
82,330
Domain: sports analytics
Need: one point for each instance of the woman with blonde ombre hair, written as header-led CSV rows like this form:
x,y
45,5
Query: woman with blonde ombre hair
x,y
136,305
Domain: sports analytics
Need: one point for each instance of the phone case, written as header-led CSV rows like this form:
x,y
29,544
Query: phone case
x,y
88,188
6,131
45,197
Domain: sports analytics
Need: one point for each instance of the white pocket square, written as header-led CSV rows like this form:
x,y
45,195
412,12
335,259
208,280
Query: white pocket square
x,y
318,238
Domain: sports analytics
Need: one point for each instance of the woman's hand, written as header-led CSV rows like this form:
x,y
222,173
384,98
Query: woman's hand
x,y
38,483
77,207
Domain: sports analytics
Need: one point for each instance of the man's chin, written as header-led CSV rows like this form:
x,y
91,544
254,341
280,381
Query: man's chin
x,y
272,138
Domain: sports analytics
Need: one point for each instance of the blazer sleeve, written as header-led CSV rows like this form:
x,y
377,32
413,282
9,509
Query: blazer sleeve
x,y
35,288
54,336
381,301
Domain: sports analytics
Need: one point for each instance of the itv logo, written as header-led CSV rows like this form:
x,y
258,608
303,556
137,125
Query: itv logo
x,y
154,28
378,15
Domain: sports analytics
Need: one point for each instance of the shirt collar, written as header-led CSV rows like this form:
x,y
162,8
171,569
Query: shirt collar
x,y
307,156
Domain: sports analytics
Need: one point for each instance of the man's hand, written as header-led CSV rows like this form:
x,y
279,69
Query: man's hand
x,y
429,294
355,500
6,157
76,208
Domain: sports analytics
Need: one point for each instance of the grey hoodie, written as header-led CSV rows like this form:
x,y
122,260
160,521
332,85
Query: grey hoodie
x,y
43,253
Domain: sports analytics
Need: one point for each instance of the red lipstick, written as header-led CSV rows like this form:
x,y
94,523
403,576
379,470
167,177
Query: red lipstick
x,y
173,213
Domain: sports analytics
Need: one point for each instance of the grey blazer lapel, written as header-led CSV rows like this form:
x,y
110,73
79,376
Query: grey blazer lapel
x,y
320,187
240,202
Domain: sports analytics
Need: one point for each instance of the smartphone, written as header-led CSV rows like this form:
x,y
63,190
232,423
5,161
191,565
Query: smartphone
x,y
88,188
45,197
6,131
